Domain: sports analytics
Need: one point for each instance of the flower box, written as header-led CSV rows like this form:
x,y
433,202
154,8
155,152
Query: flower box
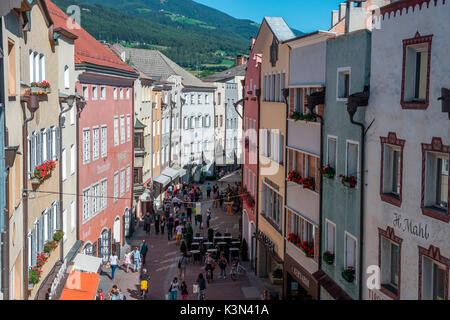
x,y
306,247
41,88
44,171
348,181
304,117
328,257
328,171
349,274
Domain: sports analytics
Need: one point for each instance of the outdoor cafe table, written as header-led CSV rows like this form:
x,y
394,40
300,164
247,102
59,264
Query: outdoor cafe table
x,y
195,244
198,238
236,243
207,244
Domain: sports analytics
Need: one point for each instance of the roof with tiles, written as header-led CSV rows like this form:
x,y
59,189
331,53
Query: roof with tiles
x,y
87,48
227,74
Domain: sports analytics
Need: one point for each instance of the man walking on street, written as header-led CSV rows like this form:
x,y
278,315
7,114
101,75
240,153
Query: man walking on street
x,y
147,222
208,191
136,259
143,249
170,228
182,267
208,217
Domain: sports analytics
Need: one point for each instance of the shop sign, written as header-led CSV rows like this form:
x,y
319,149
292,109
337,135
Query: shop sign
x,y
374,295
418,230
300,276
268,243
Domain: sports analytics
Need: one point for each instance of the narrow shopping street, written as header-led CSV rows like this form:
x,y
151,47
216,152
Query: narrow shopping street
x,y
162,259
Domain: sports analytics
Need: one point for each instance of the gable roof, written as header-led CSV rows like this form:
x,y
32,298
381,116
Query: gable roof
x,y
87,49
159,67
226,74
279,28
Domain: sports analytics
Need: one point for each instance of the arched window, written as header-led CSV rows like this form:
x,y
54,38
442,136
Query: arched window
x,y
197,122
191,123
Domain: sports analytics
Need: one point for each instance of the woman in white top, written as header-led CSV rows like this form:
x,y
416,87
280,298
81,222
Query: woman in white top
x,y
113,260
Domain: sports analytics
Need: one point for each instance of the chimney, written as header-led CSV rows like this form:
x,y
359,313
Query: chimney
x,y
239,60
334,17
342,10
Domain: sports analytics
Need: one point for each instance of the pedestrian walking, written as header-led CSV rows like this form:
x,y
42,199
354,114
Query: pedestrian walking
x,y
113,261
208,217
99,295
201,286
173,289
179,231
127,260
170,228
182,266
223,262
156,219
143,249
162,224
208,191
195,216
115,293
147,222
189,212
184,291
136,254
200,221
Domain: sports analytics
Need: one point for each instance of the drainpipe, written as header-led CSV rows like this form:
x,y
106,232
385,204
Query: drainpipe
x,y
61,198
356,100
286,101
33,105
258,97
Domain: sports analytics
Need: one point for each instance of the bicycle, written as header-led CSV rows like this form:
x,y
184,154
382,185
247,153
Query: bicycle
x,y
237,270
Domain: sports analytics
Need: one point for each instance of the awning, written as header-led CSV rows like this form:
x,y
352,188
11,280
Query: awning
x,y
87,263
172,173
81,286
235,176
146,196
162,179
330,286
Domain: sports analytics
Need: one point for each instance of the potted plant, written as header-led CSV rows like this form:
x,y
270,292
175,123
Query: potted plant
x,y
328,171
46,88
49,246
308,183
308,248
349,274
59,234
348,181
328,257
210,235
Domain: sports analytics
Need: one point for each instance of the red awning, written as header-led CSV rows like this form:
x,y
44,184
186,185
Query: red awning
x,y
81,286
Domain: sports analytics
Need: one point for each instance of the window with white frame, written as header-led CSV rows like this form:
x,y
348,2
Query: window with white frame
x,y
154,128
86,145
104,144
192,98
41,67
350,251
416,71
158,127
121,93
122,129
332,151
103,92
122,182
128,178
271,205
343,83
95,199
116,131
66,77
206,98
434,279
199,98
64,164
299,100
308,232
390,265
64,216
392,170
154,160
73,215
330,237
95,143
436,178
94,92
86,204
128,93
104,191
128,127
296,224
85,92
352,160
116,186
73,159
115,93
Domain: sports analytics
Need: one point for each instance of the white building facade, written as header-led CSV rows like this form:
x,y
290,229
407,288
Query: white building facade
x,y
408,149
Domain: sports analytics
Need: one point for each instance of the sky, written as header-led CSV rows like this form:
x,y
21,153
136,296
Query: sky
x,y
303,15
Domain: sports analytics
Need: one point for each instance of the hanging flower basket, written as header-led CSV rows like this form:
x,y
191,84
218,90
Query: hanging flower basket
x,y
349,274
58,235
328,257
348,181
44,171
328,171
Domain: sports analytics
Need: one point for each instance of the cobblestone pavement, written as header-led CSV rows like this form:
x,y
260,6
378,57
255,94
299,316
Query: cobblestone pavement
x,y
162,260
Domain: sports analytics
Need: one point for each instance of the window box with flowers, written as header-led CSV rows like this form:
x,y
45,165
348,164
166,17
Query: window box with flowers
x,y
348,181
349,274
40,87
294,176
296,116
307,247
328,257
42,172
247,197
307,183
328,171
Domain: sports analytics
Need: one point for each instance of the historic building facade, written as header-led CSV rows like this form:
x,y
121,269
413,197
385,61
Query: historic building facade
x,y
408,149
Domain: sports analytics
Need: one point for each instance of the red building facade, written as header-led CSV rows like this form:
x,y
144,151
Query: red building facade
x,y
104,143
251,159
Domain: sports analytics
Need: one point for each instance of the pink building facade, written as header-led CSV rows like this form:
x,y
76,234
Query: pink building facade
x,y
251,159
